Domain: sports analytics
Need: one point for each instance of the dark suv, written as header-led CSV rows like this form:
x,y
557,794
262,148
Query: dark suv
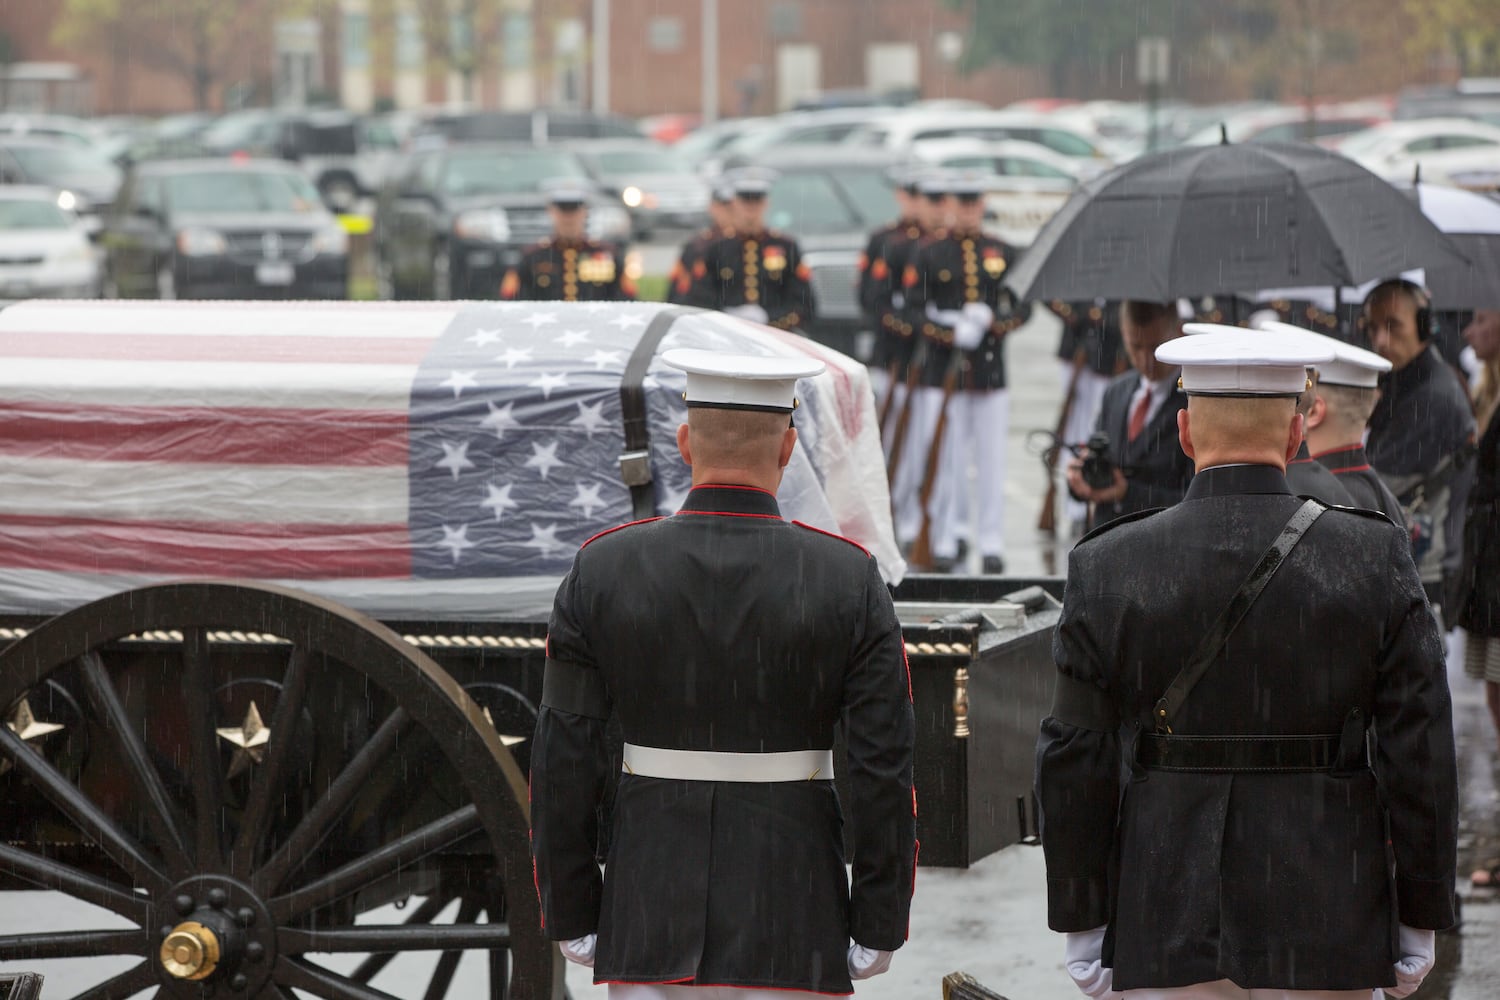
x,y
221,229
451,222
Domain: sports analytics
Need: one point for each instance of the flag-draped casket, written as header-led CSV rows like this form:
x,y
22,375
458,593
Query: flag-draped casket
x,y
439,461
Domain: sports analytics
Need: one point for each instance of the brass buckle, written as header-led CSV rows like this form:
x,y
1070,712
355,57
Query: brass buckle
x,y
635,468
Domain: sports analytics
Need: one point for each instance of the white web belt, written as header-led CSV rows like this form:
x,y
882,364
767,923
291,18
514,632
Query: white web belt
x,y
715,765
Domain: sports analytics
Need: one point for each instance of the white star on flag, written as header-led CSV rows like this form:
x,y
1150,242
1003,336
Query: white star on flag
x,y
572,338
544,538
459,381
484,338
590,417
594,308
547,382
455,458
455,540
513,355
603,359
672,500
543,458
588,499
500,419
540,319
627,321
498,499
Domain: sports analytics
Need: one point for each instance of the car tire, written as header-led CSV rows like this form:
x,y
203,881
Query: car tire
x,y
442,275
166,283
340,193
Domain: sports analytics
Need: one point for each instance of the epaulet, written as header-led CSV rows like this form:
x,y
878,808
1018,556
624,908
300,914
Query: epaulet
x,y
1367,512
618,527
830,534
1122,519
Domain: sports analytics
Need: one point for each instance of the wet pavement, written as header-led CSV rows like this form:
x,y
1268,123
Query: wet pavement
x,y
988,920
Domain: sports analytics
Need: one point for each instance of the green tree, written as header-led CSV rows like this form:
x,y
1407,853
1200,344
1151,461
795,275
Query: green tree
x,y
188,38
1468,30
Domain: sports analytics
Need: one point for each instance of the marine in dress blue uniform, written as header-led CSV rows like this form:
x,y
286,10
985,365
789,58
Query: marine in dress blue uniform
x,y
1232,831
569,266
731,644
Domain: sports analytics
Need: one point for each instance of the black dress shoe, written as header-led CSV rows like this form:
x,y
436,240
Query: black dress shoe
x,y
993,566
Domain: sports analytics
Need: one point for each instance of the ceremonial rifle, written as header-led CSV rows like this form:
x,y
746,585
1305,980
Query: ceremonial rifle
x,y
903,422
1047,521
921,549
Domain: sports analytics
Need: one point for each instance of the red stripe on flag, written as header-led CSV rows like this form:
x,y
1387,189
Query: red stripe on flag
x,y
227,347
266,551
229,435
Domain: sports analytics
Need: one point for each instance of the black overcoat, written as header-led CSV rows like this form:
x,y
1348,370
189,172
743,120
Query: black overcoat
x,y
1479,607
1353,469
1308,478
1271,880
726,628
1157,472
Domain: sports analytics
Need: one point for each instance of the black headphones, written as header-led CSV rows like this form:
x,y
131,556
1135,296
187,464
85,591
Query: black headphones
x,y
1418,296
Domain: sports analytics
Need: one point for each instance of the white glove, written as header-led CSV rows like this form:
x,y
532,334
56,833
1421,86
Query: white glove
x,y
946,317
1418,951
980,314
1084,959
866,962
580,951
750,311
898,300
967,334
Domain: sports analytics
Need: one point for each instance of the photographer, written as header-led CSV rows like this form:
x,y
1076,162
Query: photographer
x,y
1144,465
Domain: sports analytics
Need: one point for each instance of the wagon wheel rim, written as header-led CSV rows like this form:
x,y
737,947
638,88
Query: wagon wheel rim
x,y
233,909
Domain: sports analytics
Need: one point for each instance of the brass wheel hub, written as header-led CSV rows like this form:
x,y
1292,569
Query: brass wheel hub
x,y
191,951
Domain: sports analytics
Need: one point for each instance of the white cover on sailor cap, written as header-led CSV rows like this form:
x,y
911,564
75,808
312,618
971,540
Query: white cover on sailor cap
x,y
1351,366
566,190
1232,361
741,381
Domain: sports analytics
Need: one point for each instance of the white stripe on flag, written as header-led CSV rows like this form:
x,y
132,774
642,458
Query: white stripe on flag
x,y
363,320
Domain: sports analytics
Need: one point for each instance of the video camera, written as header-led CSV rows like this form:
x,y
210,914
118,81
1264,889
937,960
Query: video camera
x,y
1098,471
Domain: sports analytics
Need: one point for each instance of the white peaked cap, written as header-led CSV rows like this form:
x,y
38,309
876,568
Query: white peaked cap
x,y
741,381
1352,366
1232,361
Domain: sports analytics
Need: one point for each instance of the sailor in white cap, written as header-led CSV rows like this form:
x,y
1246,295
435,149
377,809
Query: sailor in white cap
x,y
729,643
720,225
569,266
754,272
1347,390
1214,823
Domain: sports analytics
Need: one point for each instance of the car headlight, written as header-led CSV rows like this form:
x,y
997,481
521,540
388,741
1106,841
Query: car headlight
x,y
491,224
196,242
67,201
608,222
333,240
72,253
632,196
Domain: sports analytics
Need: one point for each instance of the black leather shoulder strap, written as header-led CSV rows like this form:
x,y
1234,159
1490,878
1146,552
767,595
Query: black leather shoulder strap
x,y
1208,649
635,461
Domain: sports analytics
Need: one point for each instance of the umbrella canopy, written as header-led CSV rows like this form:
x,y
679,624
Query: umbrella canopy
x,y
1215,219
1473,224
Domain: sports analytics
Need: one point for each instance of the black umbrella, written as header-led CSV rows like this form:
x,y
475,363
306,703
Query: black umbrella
x,y
1213,219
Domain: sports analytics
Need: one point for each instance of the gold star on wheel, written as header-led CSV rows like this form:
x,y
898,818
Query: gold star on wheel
x,y
250,740
24,724
505,739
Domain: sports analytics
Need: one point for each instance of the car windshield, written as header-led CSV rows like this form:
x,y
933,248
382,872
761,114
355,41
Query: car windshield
x,y
222,191
43,162
31,214
505,173
871,193
638,161
808,204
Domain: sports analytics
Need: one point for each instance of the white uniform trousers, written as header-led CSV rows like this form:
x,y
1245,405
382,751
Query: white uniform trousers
x,y
1087,399
906,489
638,991
1223,989
879,381
977,431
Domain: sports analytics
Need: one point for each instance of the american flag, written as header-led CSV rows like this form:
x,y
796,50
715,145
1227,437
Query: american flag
x,y
413,460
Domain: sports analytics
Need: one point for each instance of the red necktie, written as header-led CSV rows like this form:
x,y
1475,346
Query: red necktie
x,y
1138,415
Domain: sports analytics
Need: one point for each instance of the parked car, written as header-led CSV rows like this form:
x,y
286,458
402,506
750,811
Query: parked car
x,y
899,132
451,222
223,229
541,125
795,128
656,187
87,182
1326,125
44,250
324,143
1028,183
62,128
830,198
1394,149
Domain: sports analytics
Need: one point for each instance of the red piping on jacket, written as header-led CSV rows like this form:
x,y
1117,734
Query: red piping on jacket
x,y
619,527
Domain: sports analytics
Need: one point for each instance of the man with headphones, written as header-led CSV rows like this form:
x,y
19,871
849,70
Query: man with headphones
x,y
1422,429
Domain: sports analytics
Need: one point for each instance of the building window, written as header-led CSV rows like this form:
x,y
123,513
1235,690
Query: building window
x,y
410,45
517,41
664,34
356,41
786,19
